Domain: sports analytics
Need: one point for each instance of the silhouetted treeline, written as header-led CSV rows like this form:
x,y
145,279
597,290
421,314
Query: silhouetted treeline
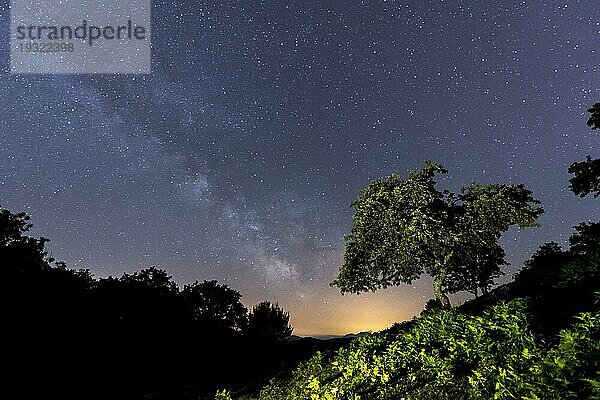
x,y
67,334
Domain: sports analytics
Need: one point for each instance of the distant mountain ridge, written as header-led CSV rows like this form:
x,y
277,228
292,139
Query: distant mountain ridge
x,y
293,338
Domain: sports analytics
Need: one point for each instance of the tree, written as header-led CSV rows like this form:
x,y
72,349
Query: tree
x,y
151,279
586,239
269,321
587,173
402,229
594,120
20,254
475,269
12,226
587,177
548,252
217,307
146,297
543,268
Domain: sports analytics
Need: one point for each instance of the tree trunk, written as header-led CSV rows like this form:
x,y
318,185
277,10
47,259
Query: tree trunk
x,y
438,291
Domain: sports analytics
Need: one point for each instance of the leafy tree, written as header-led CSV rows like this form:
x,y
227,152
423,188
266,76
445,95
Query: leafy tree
x,y
543,268
586,239
12,226
587,177
402,229
546,252
217,307
157,280
20,254
26,261
269,321
147,297
587,173
476,269
594,120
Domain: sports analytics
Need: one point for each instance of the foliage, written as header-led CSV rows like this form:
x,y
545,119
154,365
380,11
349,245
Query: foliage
x,y
543,264
217,306
449,355
571,370
269,321
552,267
558,283
587,177
402,229
223,395
12,226
587,173
21,254
432,305
477,271
153,279
594,120
586,239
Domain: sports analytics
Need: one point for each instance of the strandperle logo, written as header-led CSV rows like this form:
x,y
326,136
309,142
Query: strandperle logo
x,y
84,32
80,36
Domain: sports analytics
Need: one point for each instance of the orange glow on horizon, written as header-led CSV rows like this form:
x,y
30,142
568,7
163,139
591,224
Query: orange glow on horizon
x,y
341,315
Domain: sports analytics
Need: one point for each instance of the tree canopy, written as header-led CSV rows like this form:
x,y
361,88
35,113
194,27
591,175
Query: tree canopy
x,y
587,177
269,321
586,239
12,226
404,228
587,173
216,306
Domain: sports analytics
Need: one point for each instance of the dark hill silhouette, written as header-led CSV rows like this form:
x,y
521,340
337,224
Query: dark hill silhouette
x,y
67,335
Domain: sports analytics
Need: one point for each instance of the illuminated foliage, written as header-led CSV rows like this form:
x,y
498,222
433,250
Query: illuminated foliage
x,y
404,228
449,355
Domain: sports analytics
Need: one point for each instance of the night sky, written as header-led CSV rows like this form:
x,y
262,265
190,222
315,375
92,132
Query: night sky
x,y
238,157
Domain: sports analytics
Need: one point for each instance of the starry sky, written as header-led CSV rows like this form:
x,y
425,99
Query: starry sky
x,y
237,158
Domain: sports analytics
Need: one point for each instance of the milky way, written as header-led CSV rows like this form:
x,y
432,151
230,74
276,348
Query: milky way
x,y
238,157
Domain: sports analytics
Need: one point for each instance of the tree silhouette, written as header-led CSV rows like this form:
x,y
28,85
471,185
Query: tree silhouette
x,y
12,226
402,229
587,173
20,254
138,301
269,321
542,266
217,307
547,252
594,120
586,239
152,279
587,177
31,280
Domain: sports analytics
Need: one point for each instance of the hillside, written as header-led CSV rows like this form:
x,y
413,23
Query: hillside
x,y
537,337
